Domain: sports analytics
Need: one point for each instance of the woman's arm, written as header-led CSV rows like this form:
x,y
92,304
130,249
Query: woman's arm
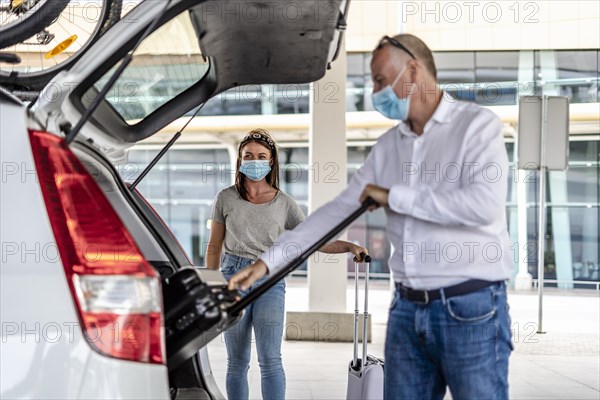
x,y
215,244
341,246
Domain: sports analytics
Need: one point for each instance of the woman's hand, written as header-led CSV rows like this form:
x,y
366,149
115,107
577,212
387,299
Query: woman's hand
x,y
341,246
359,252
246,277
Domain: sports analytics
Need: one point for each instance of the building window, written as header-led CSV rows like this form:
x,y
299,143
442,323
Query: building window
x,y
572,73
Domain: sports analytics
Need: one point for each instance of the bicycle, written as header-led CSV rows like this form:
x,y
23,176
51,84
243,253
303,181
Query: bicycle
x,y
39,38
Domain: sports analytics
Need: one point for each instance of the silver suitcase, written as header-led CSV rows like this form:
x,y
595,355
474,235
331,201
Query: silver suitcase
x,y
365,379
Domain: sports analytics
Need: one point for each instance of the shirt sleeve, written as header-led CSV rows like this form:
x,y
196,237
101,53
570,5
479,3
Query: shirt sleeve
x,y
217,209
321,221
294,216
483,188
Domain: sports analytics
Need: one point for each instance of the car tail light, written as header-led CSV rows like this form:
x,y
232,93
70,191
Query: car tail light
x,y
117,293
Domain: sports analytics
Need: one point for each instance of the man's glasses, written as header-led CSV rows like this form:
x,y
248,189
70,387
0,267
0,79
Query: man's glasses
x,y
395,43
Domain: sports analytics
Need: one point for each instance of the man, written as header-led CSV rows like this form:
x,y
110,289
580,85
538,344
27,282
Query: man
x,y
441,176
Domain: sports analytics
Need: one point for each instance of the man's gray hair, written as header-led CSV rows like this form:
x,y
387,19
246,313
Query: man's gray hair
x,y
420,50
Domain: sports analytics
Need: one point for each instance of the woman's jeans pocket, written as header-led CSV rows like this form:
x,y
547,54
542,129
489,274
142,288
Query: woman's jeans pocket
x,y
231,264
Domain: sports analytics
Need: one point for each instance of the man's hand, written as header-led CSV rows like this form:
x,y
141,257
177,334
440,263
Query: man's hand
x,y
377,193
246,277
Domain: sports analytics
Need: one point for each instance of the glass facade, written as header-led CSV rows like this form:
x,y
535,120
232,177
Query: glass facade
x,y
181,188
183,184
572,245
485,77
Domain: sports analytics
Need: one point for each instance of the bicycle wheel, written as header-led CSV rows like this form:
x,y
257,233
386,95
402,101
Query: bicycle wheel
x,y
21,19
59,43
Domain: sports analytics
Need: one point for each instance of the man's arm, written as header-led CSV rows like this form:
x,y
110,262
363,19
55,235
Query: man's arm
x,y
246,277
318,222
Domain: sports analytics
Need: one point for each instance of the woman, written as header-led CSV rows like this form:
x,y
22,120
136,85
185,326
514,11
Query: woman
x,y
247,218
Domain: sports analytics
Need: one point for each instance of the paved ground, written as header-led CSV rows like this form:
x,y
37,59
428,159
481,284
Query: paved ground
x,y
563,363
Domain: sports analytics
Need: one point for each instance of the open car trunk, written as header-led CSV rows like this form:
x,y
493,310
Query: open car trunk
x,y
216,45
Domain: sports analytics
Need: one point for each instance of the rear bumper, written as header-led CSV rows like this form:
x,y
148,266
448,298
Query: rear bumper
x,y
108,378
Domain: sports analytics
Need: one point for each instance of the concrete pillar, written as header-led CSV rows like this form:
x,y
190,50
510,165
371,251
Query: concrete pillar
x,y
268,103
589,262
549,72
523,279
232,152
526,73
513,216
561,229
326,319
327,274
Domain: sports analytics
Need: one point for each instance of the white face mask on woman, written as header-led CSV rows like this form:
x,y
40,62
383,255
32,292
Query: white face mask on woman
x,y
255,170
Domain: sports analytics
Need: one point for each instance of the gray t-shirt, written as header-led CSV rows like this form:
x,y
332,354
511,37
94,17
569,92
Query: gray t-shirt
x,y
250,229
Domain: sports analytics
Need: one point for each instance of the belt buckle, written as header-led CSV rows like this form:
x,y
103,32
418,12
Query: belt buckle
x,y
426,295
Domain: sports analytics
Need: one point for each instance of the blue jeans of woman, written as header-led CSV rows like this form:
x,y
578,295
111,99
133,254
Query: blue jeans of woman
x,y
462,343
264,317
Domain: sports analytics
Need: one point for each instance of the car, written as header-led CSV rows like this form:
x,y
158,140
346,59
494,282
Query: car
x,y
98,299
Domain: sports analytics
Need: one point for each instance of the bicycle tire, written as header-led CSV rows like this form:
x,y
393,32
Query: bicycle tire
x,y
35,81
36,20
114,15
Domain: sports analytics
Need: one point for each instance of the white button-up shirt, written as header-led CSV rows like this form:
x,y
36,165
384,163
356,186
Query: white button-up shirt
x,y
446,218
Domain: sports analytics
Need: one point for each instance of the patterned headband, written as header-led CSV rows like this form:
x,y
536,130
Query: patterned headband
x,y
259,136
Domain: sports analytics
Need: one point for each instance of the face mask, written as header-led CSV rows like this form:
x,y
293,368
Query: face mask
x,y
388,104
255,169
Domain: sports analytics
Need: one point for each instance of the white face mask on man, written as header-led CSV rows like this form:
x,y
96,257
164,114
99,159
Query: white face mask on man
x,y
387,102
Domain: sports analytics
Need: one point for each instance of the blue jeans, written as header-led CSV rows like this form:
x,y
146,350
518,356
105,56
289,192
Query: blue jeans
x,y
265,316
462,342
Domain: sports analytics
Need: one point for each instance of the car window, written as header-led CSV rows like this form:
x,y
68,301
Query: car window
x,y
166,63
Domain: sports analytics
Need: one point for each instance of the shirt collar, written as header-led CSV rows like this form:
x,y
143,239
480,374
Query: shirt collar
x,y
404,129
441,115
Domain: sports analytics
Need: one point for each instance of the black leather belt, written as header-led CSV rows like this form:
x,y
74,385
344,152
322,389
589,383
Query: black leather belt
x,y
426,296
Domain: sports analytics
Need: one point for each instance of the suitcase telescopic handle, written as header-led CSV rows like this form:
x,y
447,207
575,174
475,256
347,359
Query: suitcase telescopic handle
x,y
367,259
355,336
366,316
294,264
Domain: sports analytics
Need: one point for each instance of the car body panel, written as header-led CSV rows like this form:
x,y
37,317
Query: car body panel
x,y
40,327
44,352
107,378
